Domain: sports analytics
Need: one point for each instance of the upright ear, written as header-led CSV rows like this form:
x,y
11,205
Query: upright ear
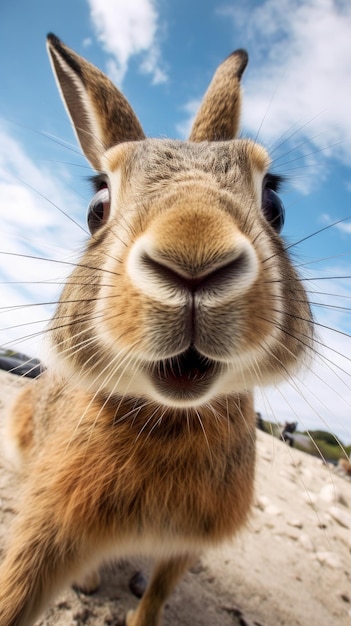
x,y
101,115
219,114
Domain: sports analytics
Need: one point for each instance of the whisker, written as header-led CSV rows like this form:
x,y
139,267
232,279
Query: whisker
x,y
199,419
56,206
322,259
314,152
288,137
58,261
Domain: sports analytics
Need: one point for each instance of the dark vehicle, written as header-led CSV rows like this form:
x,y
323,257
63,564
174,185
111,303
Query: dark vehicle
x,y
20,364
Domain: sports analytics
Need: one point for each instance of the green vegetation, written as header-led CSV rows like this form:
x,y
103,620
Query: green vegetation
x,y
328,446
322,435
319,443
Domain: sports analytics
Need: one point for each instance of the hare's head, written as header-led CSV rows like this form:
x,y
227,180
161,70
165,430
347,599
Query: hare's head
x,y
185,292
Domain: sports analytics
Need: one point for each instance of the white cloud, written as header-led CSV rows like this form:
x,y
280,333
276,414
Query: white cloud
x,y
303,75
87,42
343,226
319,397
32,229
128,28
298,84
190,109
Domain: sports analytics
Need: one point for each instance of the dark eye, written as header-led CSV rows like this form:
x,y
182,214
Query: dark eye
x,y
99,209
272,206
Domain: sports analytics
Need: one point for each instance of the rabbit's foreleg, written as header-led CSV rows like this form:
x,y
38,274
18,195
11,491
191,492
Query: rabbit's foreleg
x,y
165,576
39,561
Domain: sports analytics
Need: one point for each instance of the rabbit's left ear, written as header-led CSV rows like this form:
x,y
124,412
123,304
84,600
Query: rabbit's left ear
x,y
101,115
219,114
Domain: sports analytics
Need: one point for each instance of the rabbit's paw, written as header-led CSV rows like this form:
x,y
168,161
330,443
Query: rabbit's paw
x,y
89,584
138,584
141,618
128,620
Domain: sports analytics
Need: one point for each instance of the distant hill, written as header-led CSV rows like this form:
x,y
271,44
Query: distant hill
x,y
319,443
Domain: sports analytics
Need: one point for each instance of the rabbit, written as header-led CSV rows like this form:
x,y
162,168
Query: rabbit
x,y
140,436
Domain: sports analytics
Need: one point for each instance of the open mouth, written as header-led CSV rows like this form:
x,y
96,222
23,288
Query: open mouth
x,y
184,376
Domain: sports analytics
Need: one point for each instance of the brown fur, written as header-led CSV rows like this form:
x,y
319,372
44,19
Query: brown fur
x,y
185,284
219,115
104,482
104,94
20,427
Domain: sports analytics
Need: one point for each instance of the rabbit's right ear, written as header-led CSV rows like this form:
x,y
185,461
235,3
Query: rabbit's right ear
x,y
219,114
101,115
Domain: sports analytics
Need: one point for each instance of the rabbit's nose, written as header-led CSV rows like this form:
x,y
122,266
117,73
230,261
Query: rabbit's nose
x,y
174,274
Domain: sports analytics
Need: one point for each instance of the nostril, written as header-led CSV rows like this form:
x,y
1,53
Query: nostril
x,y
174,274
235,273
229,274
181,278
161,271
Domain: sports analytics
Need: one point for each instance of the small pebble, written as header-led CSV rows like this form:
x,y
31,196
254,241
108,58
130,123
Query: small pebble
x,y
342,517
331,494
306,542
296,523
272,510
329,558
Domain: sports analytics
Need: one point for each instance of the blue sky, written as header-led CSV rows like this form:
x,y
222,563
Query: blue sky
x,y
162,54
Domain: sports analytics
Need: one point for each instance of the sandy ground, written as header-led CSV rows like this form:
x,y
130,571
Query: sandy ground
x,y
291,567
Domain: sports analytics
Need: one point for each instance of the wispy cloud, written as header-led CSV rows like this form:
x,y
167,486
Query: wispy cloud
x,y
297,86
342,226
190,109
128,28
319,397
301,73
33,229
